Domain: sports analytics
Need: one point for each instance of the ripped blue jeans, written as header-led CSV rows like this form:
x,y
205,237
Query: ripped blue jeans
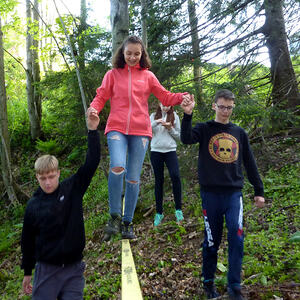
x,y
127,153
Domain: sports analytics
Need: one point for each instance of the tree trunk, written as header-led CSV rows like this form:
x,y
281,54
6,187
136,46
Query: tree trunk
x,y
52,39
82,28
36,68
144,22
83,98
35,128
5,144
119,19
285,92
196,51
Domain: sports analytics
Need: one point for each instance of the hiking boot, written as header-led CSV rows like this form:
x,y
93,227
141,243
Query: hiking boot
x,y
157,219
235,293
127,231
210,290
112,227
179,215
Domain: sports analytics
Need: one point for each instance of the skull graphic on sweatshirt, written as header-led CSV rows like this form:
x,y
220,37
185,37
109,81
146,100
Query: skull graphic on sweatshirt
x,y
224,148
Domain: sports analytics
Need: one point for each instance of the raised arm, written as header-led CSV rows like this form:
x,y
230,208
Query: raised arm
x,y
87,170
166,97
188,104
188,134
92,118
104,92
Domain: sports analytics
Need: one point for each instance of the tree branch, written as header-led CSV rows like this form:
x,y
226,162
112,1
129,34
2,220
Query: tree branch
x,y
56,42
17,60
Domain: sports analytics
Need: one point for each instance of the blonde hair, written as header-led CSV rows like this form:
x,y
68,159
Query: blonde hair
x,y
46,164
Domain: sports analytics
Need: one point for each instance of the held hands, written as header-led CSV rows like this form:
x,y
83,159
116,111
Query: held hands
x,y
188,103
27,287
259,201
92,118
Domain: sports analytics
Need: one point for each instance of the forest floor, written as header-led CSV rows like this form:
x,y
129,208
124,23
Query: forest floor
x,y
169,264
168,259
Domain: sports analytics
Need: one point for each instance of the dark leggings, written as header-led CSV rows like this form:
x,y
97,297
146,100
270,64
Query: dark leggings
x,y
170,158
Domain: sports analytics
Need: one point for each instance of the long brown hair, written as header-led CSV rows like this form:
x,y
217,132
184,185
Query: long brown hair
x,y
118,60
170,114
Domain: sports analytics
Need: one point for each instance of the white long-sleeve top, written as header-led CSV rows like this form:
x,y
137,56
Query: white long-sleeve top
x,y
164,140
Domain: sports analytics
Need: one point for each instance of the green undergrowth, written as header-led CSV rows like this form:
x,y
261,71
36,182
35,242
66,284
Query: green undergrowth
x,y
270,256
271,259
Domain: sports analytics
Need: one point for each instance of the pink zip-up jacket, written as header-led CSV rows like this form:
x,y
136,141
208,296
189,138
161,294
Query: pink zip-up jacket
x,y
128,90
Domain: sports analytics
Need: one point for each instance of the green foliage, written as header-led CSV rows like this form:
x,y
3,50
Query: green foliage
x,y
104,287
62,109
272,236
269,255
95,202
295,238
63,116
49,147
76,154
7,6
282,119
17,112
163,25
11,283
18,121
9,235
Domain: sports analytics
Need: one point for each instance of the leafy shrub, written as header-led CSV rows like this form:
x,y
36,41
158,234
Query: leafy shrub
x,y
50,147
295,238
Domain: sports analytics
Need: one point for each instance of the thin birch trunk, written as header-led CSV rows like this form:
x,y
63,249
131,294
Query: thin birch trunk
x,y
83,99
5,144
196,51
32,109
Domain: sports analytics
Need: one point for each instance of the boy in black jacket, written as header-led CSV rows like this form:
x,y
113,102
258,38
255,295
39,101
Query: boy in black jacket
x,y
223,147
53,236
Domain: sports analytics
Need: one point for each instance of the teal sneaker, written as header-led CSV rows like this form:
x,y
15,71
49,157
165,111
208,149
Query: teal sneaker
x,y
179,215
157,219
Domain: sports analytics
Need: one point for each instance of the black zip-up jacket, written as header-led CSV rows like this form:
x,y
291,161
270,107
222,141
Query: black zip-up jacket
x,y
223,148
53,228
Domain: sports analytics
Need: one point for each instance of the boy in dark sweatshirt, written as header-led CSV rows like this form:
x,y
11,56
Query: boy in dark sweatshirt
x,y
223,148
53,236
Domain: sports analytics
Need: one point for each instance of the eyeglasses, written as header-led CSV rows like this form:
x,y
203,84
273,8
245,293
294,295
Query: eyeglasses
x,y
222,107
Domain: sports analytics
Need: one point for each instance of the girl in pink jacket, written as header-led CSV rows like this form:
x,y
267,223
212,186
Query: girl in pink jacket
x,y
128,86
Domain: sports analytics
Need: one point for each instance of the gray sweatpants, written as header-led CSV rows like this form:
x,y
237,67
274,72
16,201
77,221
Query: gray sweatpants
x,y
56,282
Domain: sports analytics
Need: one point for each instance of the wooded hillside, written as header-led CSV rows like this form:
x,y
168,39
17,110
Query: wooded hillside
x,y
50,68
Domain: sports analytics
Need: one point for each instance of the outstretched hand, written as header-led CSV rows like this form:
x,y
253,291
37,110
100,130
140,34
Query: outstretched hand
x,y
92,118
188,104
259,201
27,287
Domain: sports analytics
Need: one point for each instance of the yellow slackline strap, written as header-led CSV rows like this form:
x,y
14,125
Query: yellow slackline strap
x,y
130,284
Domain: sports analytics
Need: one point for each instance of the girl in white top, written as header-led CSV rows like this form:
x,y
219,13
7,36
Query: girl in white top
x,y
165,134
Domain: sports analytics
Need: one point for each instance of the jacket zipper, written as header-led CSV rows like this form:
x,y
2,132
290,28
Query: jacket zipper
x,y
129,99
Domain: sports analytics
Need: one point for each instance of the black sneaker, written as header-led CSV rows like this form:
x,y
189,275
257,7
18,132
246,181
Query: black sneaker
x,y
235,293
112,227
210,290
127,231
